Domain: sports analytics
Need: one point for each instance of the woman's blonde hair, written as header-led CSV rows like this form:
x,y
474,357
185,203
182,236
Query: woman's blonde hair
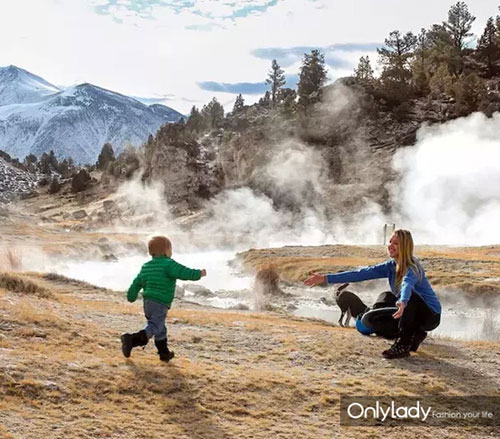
x,y
405,257
159,246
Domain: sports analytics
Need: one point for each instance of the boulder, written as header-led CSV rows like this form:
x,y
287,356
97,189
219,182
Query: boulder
x,y
80,214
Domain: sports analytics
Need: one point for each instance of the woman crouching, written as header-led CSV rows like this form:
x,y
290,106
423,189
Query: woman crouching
x,y
419,309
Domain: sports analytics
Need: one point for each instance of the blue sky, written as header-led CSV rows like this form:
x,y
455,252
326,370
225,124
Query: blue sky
x,y
184,52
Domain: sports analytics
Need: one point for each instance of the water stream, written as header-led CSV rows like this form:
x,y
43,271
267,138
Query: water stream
x,y
228,288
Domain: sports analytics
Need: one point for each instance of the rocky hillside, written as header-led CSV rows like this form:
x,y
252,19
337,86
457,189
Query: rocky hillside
x,y
14,182
335,157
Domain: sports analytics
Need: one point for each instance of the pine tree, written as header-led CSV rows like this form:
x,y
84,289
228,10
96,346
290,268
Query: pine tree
x,y
53,160
287,98
364,71
469,91
395,57
265,101
106,156
441,82
311,79
213,112
459,25
276,79
420,67
195,121
44,164
239,103
488,48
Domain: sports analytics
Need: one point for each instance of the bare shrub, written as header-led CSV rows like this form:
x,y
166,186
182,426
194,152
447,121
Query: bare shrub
x,y
266,285
13,259
17,284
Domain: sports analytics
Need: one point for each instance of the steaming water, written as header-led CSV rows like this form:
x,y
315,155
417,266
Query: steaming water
x,y
231,289
459,322
119,275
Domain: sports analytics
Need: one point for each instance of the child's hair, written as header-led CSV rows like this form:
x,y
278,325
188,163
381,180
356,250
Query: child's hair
x,y
159,246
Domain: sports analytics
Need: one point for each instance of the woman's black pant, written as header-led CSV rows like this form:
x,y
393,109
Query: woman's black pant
x,y
417,317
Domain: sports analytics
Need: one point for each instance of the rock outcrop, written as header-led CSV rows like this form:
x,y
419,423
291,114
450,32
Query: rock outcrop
x,y
15,182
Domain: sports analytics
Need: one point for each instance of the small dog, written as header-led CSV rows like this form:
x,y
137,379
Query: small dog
x,y
348,303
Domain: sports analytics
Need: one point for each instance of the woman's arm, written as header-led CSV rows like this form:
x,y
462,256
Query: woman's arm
x,y
372,272
407,286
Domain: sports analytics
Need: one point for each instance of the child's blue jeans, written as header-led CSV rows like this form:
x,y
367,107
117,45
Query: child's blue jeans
x,y
156,314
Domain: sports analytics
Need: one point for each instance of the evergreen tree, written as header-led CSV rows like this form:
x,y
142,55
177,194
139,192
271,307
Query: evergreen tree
x,y
276,79
420,68
53,160
364,71
30,162
30,158
106,156
395,57
265,101
80,180
441,82
44,164
195,121
488,48
55,185
422,50
311,79
287,98
65,168
213,112
459,25
239,103
469,91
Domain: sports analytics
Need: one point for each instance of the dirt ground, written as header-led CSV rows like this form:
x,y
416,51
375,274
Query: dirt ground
x,y
236,374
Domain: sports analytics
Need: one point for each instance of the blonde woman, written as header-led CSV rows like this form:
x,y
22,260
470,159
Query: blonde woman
x,y
419,309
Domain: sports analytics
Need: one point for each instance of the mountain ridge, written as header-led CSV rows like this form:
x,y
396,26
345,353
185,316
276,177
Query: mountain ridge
x,y
36,117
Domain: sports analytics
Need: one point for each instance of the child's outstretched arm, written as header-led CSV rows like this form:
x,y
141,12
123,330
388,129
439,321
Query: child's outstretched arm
x,y
134,289
179,271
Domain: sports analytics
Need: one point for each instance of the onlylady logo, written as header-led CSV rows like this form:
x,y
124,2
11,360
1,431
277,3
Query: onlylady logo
x,y
356,410
428,411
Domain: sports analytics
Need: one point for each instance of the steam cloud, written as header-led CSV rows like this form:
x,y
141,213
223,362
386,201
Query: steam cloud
x,y
450,187
448,192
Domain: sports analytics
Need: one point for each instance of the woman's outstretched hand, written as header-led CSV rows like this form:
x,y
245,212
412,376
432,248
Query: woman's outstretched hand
x,y
315,279
401,307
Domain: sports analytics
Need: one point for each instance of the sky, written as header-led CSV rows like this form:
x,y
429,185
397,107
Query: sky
x,y
185,52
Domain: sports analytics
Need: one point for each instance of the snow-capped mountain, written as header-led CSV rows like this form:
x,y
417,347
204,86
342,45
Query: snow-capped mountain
x,y
17,86
37,117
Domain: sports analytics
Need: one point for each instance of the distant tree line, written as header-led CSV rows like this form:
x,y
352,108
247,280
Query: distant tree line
x,y
439,62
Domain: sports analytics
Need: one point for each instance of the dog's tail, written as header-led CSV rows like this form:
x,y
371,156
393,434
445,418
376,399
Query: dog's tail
x,y
341,288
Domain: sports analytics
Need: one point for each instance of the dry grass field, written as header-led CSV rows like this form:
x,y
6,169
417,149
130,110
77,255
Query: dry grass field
x,y
236,374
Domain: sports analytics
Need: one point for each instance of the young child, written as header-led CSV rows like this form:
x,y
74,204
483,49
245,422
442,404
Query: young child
x,y
157,278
